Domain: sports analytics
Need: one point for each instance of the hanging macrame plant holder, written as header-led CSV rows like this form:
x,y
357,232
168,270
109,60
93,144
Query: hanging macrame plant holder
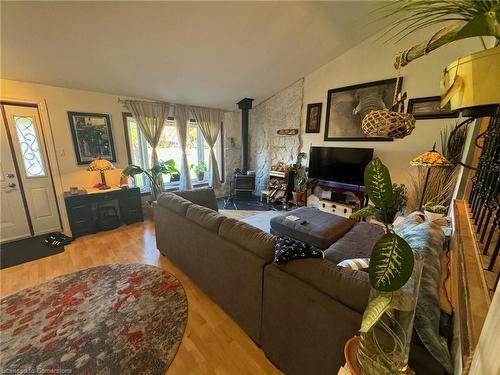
x,y
388,123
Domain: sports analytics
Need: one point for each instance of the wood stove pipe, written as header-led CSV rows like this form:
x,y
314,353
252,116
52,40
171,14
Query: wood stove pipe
x,y
245,105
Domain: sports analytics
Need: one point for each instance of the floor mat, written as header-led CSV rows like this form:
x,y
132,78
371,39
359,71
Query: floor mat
x,y
22,251
250,204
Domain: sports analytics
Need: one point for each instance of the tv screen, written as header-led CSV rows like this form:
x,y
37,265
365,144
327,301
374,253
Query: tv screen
x,y
339,164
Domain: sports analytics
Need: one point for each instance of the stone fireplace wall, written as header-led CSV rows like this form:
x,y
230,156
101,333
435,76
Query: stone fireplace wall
x,y
281,111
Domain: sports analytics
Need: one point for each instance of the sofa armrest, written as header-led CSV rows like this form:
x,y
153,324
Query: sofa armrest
x,y
202,197
347,286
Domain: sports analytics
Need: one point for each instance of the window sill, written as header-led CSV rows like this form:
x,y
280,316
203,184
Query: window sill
x,y
174,186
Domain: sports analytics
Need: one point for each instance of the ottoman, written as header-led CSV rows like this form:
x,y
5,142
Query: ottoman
x,y
314,227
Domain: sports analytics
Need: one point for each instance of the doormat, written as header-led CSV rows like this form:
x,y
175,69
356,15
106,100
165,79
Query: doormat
x,y
22,251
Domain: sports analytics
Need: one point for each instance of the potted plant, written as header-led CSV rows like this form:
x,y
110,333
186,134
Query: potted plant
x,y
199,170
300,183
434,211
155,178
394,274
175,177
387,214
471,81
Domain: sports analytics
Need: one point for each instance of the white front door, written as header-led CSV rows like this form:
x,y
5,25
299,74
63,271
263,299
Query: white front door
x,y
29,150
13,218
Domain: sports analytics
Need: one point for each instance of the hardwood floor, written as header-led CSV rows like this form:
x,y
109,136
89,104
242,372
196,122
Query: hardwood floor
x,y
212,343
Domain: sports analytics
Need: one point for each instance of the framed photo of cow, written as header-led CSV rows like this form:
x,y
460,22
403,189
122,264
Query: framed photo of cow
x,y
347,106
313,118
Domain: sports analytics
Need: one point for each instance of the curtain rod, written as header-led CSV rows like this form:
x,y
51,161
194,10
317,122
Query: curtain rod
x,y
122,101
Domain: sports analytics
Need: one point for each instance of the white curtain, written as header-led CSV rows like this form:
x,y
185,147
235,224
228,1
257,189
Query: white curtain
x,y
209,121
150,117
182,115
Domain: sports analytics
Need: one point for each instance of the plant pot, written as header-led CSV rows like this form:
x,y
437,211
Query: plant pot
x,y
478,83
385,348
432,216
298,196
148,207
200,176
175,177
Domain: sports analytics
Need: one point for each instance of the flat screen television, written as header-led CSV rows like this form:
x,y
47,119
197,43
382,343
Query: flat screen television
x,y
339,164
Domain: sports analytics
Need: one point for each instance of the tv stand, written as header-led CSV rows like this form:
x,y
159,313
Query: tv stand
x,y
339,188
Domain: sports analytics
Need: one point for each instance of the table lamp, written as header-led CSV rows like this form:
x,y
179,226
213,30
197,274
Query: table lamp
x,y
101,165
429,159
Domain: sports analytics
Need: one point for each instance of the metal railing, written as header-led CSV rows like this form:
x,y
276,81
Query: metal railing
x,y
484,201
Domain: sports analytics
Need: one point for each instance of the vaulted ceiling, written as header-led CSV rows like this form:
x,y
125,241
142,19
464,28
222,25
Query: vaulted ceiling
x,y
203,53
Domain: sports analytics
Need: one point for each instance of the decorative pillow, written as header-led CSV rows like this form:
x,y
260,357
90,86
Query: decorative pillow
x,y
287,249
355,264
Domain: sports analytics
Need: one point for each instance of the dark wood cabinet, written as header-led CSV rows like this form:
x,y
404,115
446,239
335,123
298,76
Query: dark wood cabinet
x,y
82,208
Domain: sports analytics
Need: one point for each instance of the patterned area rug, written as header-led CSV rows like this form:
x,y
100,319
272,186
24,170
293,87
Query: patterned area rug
x,y
113,319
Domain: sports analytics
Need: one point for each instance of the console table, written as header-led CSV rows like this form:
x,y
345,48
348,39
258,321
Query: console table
x,y
81,207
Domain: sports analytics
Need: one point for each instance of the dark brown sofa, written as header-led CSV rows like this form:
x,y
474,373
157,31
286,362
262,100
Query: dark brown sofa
x,y
223,256
301,313
311,307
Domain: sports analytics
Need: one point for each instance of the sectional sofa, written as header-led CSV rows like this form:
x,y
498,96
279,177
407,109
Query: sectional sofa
x,y
300,313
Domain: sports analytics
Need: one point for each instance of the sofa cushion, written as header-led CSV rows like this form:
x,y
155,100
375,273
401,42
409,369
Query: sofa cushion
x,y
203,197
205,217
248,237
173,202
357,243
347,286
356,264
313,227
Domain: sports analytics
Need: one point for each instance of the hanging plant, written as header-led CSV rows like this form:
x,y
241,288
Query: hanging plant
x,y
471,18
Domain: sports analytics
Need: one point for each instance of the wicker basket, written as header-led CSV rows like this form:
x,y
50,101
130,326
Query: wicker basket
x,y
384,123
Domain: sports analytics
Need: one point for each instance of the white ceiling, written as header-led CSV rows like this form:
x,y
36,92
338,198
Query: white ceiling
x,y
203,53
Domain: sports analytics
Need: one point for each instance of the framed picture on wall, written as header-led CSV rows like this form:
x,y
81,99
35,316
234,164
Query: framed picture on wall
x,y
347,106
92,136
313,117
430,108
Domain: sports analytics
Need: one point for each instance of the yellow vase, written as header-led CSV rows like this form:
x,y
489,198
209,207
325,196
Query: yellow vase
x,y
473,80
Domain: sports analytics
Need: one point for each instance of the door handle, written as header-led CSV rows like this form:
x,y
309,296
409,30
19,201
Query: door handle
x,y
11,175
11,185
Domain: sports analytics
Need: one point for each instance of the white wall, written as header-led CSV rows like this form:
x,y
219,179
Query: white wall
x,y
60,100
373,60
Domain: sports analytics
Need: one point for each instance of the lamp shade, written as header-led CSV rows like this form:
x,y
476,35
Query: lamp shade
x,y
430,159
100,165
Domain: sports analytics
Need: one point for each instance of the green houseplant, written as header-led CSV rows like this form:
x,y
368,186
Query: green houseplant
x,y
434,211
155,178
399,203
153,174
469,82
394,274
199,170
300,183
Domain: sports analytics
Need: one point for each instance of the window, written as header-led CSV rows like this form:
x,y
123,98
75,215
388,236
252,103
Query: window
x,y
30,149
197,149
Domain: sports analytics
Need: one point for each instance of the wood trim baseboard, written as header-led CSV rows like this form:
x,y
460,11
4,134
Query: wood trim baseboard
x,y
470,296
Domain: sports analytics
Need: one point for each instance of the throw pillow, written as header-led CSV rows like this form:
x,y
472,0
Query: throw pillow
x,y
355,264
287,249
